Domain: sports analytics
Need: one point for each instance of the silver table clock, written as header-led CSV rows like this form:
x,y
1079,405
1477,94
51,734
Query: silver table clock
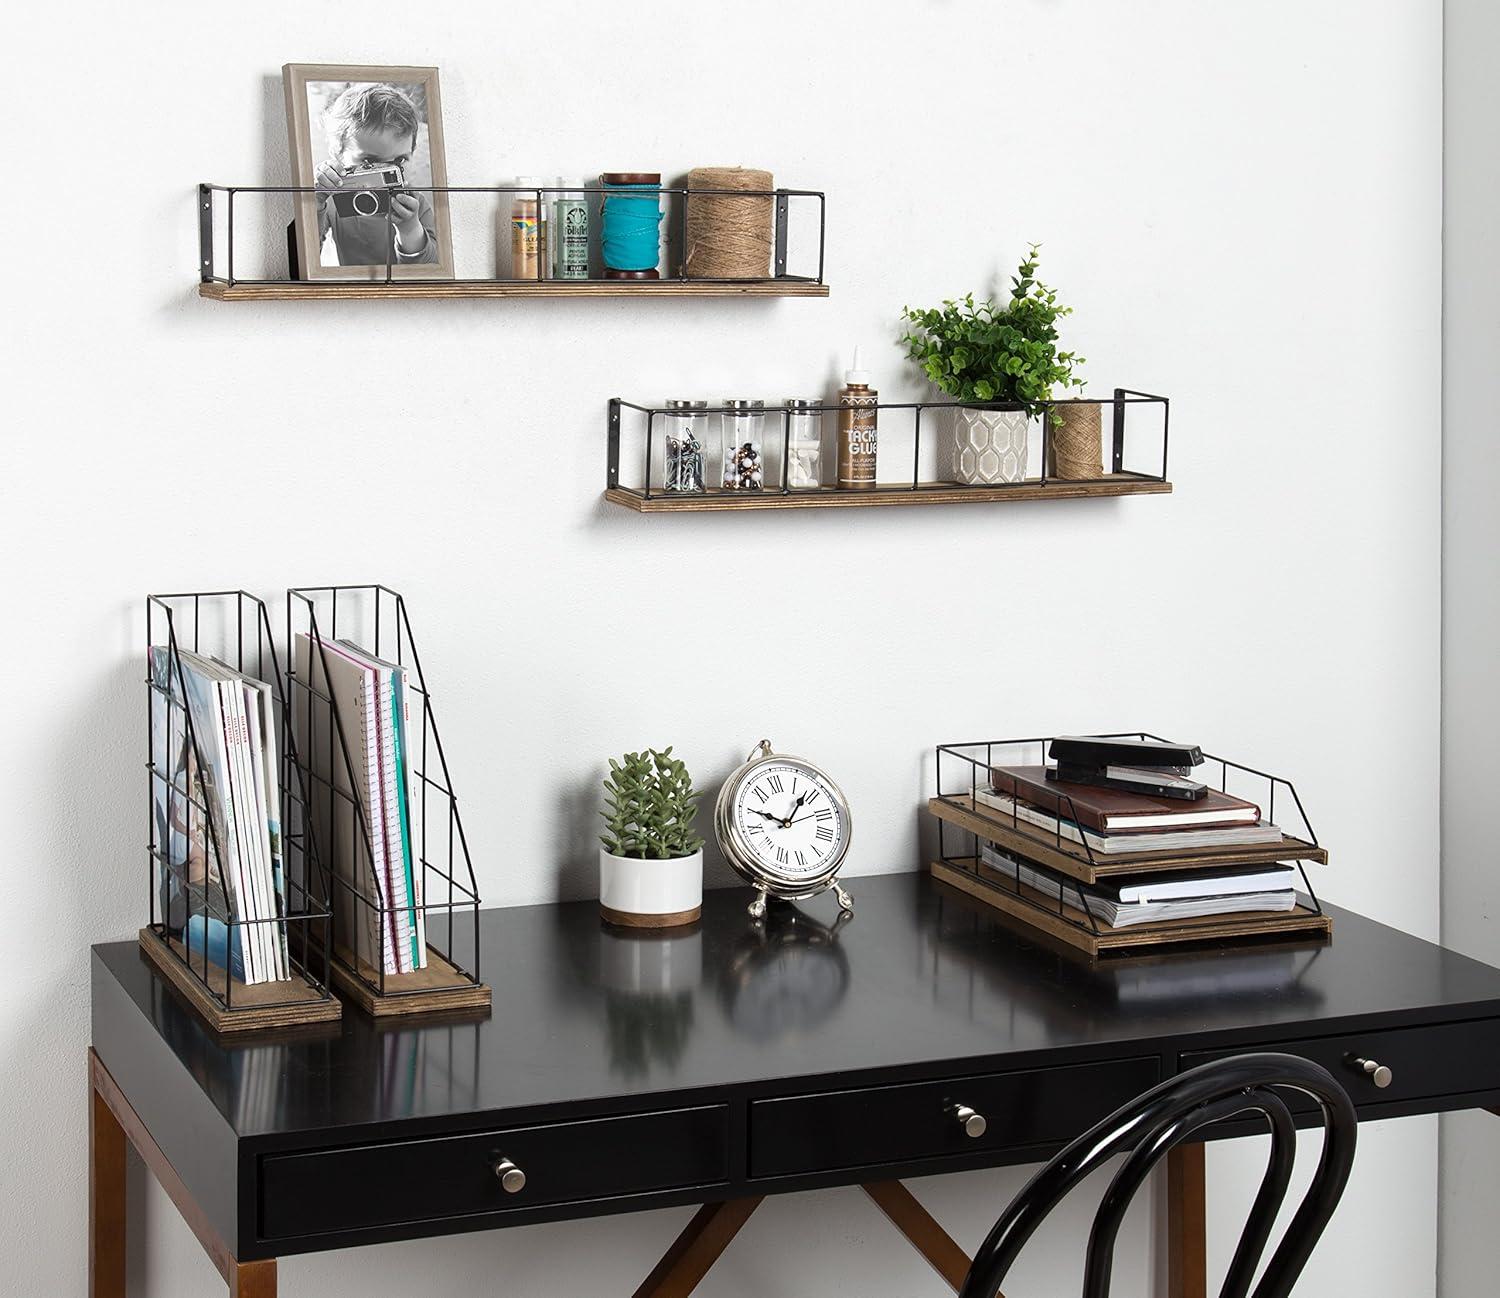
x,y
785,828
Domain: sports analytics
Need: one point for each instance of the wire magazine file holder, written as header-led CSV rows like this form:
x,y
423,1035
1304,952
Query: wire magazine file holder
x,y
1041,839
441,909
201,931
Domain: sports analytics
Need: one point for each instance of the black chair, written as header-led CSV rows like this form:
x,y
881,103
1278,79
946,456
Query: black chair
x,y
1166,1116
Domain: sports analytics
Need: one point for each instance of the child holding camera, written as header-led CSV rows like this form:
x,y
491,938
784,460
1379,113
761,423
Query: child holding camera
x,y
372,131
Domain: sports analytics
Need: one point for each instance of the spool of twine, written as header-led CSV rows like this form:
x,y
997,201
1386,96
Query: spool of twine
x,y
728,237
1075,443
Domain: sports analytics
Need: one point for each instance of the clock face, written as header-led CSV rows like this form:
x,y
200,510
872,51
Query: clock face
x,y
790,820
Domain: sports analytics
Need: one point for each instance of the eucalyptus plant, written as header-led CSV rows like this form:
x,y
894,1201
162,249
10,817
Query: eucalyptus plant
x,y
990,352
649,807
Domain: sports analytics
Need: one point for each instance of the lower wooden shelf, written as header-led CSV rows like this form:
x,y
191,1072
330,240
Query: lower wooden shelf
x,y
926,493
254,1007
325,291
1034,910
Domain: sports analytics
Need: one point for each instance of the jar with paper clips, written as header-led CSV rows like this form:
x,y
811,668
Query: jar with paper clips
x,y
685,437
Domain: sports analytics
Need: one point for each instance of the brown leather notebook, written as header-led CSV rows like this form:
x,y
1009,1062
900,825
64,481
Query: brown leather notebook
x,y
1114,811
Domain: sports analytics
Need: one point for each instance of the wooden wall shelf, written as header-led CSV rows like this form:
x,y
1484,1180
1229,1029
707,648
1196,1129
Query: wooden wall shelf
x,y
934,493
307,291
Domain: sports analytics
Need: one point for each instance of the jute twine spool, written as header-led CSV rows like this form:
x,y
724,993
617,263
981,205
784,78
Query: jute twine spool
x,y
1075,442
728,238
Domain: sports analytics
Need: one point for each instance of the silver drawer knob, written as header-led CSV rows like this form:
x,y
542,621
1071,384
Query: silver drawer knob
x,y
1377,1073
972,1122
512,1178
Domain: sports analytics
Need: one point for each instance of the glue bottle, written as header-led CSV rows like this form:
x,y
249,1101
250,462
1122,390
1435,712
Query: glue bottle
x,y
857,415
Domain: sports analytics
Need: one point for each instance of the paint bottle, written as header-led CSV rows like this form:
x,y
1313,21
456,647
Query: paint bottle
x,y
528,242
857,415
570,236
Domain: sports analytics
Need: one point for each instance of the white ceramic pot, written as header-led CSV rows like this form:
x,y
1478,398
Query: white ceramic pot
x,y
989,445
650,894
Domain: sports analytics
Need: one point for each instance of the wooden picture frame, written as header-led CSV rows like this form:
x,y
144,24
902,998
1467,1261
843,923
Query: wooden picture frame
x,y
332,112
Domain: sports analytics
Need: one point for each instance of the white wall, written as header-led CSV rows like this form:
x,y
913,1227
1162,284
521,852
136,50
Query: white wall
x,y
1241,201
1471,592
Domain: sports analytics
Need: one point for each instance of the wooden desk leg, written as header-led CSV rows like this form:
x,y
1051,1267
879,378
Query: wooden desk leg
x,y
921,1229
111,1123
253,1279
106,1201
694,1251
1187,1223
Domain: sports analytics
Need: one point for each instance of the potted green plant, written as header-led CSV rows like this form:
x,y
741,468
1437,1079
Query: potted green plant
x,y
1002,362
651,858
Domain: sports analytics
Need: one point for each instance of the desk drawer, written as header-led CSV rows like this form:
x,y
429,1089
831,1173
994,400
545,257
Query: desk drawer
x,y
1424,1063
454,1176
896,1124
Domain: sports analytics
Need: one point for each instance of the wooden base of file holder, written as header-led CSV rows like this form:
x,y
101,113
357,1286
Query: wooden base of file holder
x,y
1038,911
438,989
257,1006
1038,845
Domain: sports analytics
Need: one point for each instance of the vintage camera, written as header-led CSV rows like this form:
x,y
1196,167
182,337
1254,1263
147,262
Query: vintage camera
x,y
366,190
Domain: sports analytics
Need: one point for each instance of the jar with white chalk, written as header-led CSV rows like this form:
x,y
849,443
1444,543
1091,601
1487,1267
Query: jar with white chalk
x,y
804,443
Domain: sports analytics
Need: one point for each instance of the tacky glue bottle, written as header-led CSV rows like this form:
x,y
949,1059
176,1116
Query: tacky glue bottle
x,y
857,416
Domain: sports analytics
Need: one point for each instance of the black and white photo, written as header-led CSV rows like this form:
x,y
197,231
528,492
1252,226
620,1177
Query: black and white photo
x,y
369,142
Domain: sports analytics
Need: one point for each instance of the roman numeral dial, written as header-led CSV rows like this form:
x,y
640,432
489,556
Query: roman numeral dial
x,y
784,825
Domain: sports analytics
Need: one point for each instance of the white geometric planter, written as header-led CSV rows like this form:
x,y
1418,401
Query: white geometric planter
x,y
988,445
650,894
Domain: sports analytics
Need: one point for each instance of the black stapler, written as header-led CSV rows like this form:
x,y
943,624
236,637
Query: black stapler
x,y
1148,766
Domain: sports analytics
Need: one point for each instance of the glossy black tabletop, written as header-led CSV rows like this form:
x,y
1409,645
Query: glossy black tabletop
x,y
919,980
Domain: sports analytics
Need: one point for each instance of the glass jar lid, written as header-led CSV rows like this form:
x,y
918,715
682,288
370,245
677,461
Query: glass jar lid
x,y
736,404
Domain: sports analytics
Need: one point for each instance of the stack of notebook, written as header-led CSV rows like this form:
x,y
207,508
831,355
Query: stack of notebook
x,y
1154,898
1108,867
216,800
375,854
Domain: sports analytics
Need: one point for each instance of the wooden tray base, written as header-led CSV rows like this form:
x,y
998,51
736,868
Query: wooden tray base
x,y
1043,848
437,989
256,1006
970,877
630,919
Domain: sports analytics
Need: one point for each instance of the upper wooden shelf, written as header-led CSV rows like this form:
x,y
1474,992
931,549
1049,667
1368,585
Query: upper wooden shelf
x,y
303,291
934,493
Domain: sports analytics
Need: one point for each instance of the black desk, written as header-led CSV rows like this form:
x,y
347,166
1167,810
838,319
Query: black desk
x,y
621,1072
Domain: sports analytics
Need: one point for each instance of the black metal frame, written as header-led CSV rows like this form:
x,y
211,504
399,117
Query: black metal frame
x,y
977,759
783,198
380,624
1119,402
1149,1128
306,920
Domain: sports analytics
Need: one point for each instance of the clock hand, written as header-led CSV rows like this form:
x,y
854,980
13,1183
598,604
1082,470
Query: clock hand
x,y
796,806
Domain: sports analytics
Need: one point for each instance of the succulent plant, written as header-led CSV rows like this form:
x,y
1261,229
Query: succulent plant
x,y
649,807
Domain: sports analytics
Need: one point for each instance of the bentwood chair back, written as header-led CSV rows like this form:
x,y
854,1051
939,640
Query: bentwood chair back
x,y
1165,1116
